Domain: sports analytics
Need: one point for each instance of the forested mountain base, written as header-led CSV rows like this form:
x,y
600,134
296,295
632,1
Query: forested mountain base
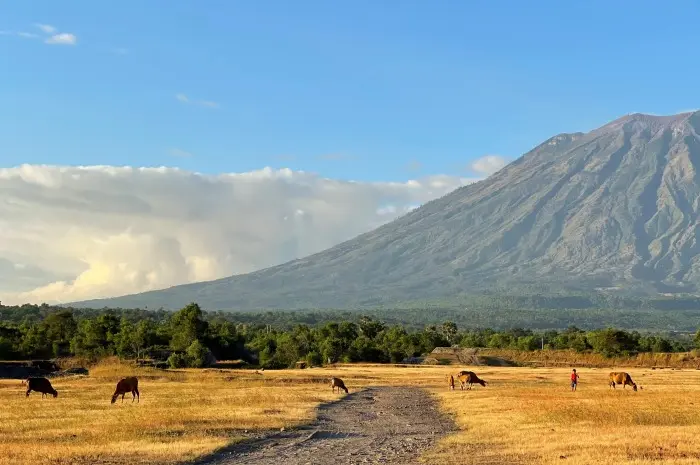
x,y
498,311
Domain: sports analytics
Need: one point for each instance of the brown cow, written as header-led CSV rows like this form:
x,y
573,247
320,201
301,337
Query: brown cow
x,y
41,385
452,382
130,384
621,377
338,383
469,377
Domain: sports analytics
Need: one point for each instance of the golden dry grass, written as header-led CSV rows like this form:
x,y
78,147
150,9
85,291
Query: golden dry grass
x,y
529,416
182,414
525,415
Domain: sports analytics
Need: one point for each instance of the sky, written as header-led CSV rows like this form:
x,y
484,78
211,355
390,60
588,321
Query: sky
x,y
148,144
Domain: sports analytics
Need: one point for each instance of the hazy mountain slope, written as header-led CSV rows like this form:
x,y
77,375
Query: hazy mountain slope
x,y
617,206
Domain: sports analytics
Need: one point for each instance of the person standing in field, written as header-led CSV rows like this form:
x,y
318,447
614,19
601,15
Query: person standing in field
x,y
574,380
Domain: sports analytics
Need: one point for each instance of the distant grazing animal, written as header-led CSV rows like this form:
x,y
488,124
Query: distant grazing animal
x,y
452,382
620,377
130,384
338,383
469,377
41,385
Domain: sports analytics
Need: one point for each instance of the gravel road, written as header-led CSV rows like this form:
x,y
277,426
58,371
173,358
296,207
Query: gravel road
x,y
375,425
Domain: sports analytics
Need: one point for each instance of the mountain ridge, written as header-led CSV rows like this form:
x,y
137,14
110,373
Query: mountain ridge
x,y
615,207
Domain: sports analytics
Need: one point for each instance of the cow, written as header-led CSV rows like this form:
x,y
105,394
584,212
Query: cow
x,y
41,385
452,383
338,383
130,384
621,377
469,377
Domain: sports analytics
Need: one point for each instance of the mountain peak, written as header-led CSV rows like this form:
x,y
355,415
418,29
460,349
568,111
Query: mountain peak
x,y
646,121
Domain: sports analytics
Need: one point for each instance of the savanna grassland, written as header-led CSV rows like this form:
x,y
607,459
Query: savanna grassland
x,y
182,414
524,415
529,416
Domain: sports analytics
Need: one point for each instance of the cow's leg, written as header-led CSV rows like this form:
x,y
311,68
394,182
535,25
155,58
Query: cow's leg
x,y
138,396
123,397
28,391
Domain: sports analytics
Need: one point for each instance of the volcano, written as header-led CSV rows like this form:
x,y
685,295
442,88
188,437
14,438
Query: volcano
x,y
615,208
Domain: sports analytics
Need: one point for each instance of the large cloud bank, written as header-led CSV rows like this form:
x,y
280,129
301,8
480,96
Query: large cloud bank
x,y
74,233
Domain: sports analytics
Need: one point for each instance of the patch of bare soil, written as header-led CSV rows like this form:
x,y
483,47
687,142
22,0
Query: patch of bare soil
x,y
376,425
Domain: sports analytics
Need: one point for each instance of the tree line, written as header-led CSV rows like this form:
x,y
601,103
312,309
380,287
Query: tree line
x,y
191,337
537,312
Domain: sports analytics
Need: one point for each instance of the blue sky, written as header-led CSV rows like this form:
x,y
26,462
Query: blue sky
x,y
360,90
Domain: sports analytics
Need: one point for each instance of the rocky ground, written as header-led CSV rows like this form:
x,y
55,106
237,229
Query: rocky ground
x,y
375,425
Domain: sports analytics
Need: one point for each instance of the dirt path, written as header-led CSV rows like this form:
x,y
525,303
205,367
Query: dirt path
x,y
376,425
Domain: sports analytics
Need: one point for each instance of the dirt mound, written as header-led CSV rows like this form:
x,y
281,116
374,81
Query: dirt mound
x,y
464,356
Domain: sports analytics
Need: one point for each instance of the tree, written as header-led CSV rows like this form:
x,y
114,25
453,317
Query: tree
x,y
611,342
198,355
370,327
449,330
60,329
332,349
187,326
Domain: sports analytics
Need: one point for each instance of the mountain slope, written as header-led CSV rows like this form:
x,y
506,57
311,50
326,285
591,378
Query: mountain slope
x,y
617,206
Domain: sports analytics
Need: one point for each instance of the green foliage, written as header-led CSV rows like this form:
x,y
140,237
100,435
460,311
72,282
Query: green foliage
x,y
178,360
194,338
187,326
198,355
313,358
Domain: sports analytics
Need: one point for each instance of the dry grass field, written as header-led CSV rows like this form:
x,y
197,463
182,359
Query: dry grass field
x,y
181,415
524,415
530,416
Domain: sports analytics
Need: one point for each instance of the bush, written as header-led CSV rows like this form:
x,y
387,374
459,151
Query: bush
x,y
178,360
199,355
313,358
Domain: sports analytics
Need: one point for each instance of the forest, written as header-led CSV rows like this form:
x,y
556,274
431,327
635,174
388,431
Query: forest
x,y
191,337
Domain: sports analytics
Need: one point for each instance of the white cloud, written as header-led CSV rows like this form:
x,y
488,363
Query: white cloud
x,y
488,164
53,37
202,103
46,28
62,39
73,233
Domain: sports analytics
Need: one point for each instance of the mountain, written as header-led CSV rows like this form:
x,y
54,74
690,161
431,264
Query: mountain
x,y
616,207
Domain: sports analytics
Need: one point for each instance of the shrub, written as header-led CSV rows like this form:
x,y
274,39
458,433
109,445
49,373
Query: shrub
x,y
178,360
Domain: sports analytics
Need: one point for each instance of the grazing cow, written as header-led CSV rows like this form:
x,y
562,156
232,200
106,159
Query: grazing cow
x,y
41,385
620,377
452,382
338,383
130,384
469,377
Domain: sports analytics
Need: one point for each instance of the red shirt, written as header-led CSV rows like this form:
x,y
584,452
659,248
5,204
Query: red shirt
x,y
574,377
